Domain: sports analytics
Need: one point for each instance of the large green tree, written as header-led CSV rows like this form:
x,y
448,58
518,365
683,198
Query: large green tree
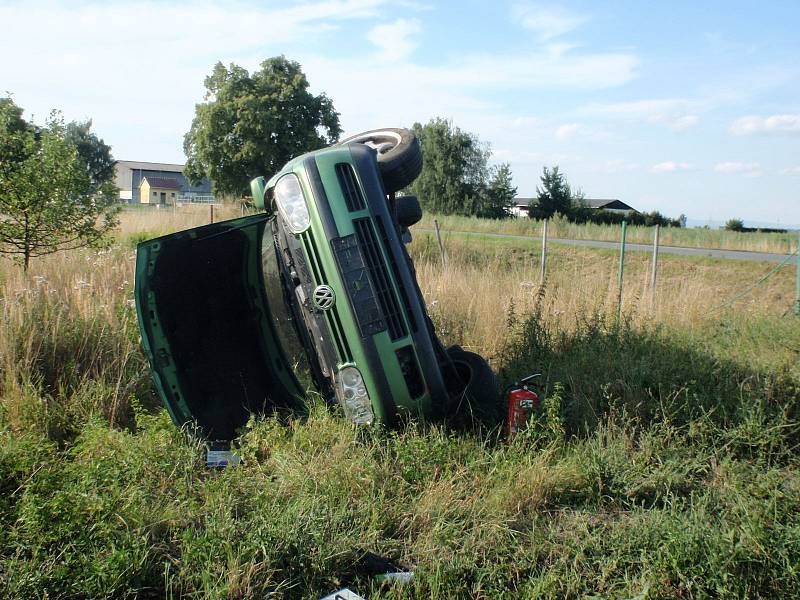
x,y
12,126
94,152
250,125
49,199
454,172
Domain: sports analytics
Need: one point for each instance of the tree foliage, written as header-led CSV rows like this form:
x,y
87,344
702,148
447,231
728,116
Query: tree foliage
x,y
50,200
500,194
12,128
93,152
456,178
554,196
250,125
586,214
734,225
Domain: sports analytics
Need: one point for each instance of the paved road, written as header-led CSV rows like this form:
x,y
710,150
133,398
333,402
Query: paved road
x,y
729,254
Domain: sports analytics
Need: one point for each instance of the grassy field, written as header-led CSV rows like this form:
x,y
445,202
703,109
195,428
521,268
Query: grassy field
x,y
664,465
779,243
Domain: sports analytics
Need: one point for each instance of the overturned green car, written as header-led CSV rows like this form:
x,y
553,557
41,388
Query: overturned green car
x,y
318,292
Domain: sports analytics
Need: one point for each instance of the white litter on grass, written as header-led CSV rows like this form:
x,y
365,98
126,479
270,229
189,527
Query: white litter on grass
x,y
398,577
222,458
344,594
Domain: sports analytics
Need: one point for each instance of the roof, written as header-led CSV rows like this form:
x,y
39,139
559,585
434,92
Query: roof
x,y
604,203
150,166
162,182
607,203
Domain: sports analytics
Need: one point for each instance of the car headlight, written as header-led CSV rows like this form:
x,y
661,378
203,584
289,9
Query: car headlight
x,y
353,395
291,203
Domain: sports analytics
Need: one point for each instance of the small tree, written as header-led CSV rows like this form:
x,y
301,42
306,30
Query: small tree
x,y
48,199
250,125
500,193
734,225
555,195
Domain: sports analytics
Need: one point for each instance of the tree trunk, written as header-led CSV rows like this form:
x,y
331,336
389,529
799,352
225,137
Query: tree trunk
x,y
27,246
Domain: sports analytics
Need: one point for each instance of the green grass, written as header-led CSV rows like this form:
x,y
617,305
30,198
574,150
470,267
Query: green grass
x,y
665,468
664,465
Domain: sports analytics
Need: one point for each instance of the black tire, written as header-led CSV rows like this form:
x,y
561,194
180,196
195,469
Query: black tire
x,y
407,210
477,398
399,155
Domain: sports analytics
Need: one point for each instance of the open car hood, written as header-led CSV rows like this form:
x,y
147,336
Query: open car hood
x,y
207,327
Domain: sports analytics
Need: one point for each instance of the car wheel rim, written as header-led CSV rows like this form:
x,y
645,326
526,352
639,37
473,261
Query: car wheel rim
x,y
381,141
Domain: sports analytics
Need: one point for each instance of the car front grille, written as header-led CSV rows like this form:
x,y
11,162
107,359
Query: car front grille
x,y
332,315
399,280
379,275
353,197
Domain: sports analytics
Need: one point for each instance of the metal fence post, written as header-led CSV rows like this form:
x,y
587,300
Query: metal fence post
x,y
544,254
441,245
654,270
621,270
797,278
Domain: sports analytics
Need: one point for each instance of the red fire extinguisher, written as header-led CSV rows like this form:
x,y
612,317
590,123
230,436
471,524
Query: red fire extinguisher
x,y
521,403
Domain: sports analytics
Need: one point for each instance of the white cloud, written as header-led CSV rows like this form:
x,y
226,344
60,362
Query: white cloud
x,y
669,167
140,83
566,131
396,40
459,88
526,122
791,171
683,123
638,109
774,124
618,165
109,62
675,113
750,169
546,22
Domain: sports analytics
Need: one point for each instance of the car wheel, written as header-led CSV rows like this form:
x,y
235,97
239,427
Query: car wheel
x,y
407,210
399,155
477,398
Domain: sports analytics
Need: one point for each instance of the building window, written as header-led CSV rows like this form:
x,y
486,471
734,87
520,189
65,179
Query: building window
x,y
173,194
155,193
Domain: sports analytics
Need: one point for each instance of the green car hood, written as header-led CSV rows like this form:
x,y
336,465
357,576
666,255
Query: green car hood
x,y
207,328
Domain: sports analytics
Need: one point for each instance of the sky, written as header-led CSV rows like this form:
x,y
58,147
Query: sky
x,y
682,107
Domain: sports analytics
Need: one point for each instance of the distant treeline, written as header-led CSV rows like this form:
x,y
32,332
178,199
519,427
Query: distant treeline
x,y
738,225
556,197
763,230
586,214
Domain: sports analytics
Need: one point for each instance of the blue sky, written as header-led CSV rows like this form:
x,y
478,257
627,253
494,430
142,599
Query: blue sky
x,y
682,107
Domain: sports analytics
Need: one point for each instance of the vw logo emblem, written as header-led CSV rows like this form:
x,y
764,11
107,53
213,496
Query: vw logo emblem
x,y
323,297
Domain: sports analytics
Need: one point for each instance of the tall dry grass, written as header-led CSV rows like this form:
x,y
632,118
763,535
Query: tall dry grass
x,y
141,223
69,325
488,281
559,227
